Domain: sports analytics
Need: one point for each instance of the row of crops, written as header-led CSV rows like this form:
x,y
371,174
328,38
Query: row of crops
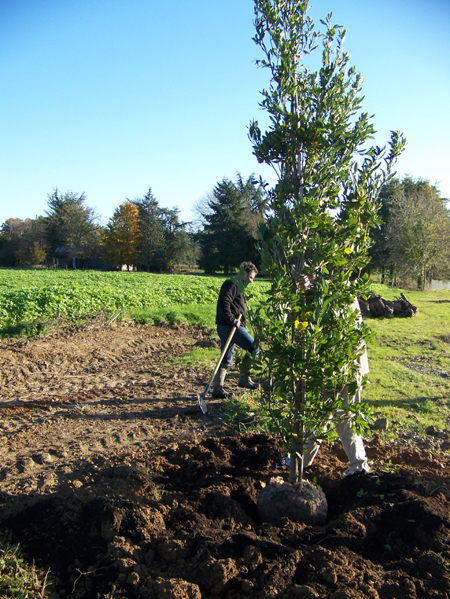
x,y
27,295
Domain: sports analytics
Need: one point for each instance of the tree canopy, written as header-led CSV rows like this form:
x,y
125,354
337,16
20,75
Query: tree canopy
x,y
412,241
122,235
319,216
70,222
230,222
164,241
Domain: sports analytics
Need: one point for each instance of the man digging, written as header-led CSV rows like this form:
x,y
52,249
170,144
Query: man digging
x,y
230,305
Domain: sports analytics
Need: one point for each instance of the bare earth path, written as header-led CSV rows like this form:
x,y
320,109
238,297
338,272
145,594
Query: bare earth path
x,y
112,477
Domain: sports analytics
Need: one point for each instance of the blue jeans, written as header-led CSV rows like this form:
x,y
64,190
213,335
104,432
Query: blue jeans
x,y
242,339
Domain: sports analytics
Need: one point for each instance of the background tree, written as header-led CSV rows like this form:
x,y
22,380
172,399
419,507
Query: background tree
x,y
70,222
380,250
122,235
418,232
10,235
180,246
231,216
164,241
152,247
187,250
23,241
319,217
254,199
32,248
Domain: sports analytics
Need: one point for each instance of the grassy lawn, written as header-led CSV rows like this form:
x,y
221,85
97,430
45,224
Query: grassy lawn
x,y
410,369
410,364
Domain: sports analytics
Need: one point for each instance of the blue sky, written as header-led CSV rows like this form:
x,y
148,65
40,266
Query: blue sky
x,y
112,97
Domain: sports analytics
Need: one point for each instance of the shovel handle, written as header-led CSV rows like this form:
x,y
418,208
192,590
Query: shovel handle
x,y
227,345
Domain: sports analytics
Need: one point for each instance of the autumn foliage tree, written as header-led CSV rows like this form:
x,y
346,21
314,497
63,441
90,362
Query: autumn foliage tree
x,y
122,235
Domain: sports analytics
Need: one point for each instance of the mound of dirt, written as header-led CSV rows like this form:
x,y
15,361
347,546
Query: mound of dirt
x,y
126,490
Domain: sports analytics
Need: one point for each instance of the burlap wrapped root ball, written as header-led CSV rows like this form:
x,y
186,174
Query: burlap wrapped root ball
x,y
303,503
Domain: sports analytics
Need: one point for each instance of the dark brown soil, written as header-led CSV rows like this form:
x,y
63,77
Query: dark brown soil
x,y
111,477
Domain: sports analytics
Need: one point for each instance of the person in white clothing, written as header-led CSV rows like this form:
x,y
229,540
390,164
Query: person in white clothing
x,y
351,442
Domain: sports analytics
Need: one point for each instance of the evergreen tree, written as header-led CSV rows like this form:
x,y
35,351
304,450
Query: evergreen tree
x,y
380,250
180,246
230,221
152,247
69,222
164,242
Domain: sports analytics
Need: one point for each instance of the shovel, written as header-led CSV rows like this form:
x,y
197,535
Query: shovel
x,y
201,396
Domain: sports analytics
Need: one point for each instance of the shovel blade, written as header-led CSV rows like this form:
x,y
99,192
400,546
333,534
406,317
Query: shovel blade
x,y
201,403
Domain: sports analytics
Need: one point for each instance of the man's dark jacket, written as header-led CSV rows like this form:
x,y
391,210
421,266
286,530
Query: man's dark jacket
x,y
229,305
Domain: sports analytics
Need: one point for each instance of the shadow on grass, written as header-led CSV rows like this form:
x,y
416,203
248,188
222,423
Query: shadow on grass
x,y
418,403
24,330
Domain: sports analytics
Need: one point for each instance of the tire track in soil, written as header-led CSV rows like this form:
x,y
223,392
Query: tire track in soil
x,y
76,396
86,360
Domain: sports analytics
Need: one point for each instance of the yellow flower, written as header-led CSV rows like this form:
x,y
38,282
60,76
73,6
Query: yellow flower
x,y
299,325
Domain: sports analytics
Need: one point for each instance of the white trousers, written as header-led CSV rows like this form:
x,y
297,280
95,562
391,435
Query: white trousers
x,y
351,442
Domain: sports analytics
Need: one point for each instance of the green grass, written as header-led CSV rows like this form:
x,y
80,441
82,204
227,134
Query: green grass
x,y
199,355
410,363
245,415
410,369
19,579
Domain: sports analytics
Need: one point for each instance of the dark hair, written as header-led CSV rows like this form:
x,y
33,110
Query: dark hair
x,y
249,267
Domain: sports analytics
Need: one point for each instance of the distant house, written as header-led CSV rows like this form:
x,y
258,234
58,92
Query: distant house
x,y
62,258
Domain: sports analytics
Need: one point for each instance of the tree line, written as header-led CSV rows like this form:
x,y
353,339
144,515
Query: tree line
x,y
411,241
140,233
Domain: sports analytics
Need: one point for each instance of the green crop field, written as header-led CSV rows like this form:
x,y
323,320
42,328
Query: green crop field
x,y
27,296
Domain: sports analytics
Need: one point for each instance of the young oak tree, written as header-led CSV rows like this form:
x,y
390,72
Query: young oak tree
x,y
319,216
